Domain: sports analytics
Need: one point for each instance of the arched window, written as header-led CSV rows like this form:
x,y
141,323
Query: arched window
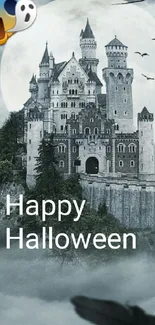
x,y
61,147
121,163
73,115
80,104
111,75
88,92
121,147
132,147
132,163
72,104
96,130
61,164
108,149
75,91
116,127
120,76
87,131
72,91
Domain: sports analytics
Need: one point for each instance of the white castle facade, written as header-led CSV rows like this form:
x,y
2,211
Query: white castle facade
x,y
94,132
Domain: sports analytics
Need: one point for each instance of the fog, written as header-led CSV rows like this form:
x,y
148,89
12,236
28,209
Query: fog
x,y
35,289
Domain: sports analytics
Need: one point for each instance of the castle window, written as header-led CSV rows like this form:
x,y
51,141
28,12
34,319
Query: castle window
x,y
96,130
80,105
115,112
62,127
116,88
91,120
87,131
75,91
61,164
66,128
29,141
125,112
61,148
116,127
121,164
30,126
74,131
62,116
108,149
70,91
124,88
52,104
108,131
53,92
29,158
41,134
121,147
57,104
142,166
74,149
88,92
125,100
57,92
73,115
132,163
132,147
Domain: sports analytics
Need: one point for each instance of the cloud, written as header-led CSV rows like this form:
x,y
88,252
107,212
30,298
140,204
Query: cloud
x,y
35,289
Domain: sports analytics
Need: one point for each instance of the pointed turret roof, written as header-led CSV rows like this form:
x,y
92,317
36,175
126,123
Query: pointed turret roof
x,y
145,115
45,58
33,80
87,33
115,42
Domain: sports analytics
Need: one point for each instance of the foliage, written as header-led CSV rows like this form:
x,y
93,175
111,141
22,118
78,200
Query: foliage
x,y
9,146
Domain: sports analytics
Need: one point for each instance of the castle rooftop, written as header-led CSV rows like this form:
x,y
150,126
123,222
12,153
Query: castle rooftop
x,y
45,58
87,33
115,42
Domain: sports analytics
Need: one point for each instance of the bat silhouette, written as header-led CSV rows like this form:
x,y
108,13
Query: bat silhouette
x,y
148,78
142,54
104,312
128,2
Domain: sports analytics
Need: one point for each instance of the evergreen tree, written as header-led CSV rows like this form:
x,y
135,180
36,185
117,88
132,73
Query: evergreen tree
x,y
49,182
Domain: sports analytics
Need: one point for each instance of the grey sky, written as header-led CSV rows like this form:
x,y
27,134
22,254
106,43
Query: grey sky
x,y
149,5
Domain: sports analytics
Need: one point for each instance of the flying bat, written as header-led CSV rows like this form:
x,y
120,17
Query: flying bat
x,y
148,78
142,54
128,2
104,312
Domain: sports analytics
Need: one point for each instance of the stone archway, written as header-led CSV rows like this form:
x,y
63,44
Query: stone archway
x,y
92,165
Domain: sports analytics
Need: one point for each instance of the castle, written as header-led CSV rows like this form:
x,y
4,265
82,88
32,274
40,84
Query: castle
x,y
93,131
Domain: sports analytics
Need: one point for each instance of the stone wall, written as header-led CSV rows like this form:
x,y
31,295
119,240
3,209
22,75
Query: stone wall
x,y
131,201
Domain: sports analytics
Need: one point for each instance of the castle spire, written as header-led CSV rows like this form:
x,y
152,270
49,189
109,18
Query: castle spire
x,y
45,58
87,33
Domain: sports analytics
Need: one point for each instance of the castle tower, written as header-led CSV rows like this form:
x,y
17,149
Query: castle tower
x,y
88,48
34,138
118,80
51,64
43,76
33,88
146,142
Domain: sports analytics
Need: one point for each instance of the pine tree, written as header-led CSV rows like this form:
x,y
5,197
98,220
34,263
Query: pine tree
x,y
49,182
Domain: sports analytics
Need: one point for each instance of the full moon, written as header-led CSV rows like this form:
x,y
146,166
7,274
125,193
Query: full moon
x,y
60,23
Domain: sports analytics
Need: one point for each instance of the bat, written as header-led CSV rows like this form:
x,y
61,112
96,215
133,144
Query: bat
x,y
148,78
104,312
142,54
128,2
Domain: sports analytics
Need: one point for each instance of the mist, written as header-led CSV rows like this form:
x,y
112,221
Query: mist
x,y
35,289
